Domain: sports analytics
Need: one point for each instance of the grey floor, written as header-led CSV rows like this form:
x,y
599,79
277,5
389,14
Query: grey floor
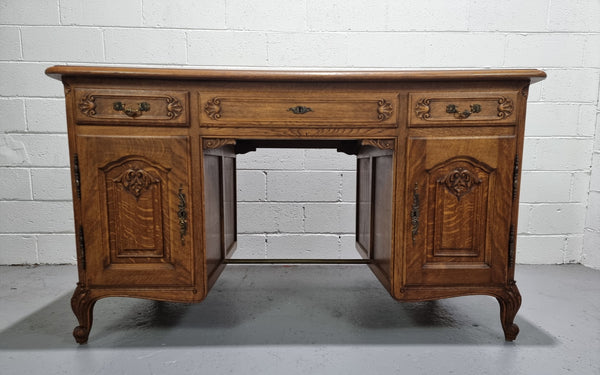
x,y
301,320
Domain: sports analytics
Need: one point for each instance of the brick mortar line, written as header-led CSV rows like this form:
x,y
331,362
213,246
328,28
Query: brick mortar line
x,y
34,133
31,168
308,30
36,234
539,204
35,200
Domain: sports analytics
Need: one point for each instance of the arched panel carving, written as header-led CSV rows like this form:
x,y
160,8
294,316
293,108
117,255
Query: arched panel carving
x,y
137,210
458,193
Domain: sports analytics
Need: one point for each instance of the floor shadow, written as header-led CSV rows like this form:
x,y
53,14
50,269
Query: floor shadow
x,y
246,307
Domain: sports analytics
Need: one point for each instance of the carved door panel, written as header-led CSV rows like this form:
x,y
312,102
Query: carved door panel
x,y
135,210
460,192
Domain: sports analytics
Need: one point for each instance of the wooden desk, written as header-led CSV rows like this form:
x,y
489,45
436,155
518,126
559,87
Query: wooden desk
x,y
153,174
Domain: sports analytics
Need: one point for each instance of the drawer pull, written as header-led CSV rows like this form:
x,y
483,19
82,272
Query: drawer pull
x,y
300,109
474,108
142,107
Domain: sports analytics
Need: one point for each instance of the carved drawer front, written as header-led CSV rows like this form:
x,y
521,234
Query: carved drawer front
x,y
131,107
247,108
459,108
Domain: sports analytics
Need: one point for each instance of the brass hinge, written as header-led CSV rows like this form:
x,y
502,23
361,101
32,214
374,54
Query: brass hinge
x,y
515,177
77,175
81,248
511,247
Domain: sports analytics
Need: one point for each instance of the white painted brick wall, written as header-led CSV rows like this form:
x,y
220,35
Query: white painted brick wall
x,y
79,44
244,48
154,46
297,193
94,12
13,115
10,43
591,236
286,195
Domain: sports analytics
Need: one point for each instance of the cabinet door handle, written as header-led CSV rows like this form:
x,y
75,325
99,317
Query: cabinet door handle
x,y
473,108
415,213
182,215
121,107
300,109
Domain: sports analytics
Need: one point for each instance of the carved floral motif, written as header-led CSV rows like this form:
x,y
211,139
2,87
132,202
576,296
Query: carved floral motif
x,y
174,107
135,180
460,181
422,109
384,109
87,105
505,107
213,108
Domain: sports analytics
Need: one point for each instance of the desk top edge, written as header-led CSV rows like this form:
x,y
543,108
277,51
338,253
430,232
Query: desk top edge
x,y
60,71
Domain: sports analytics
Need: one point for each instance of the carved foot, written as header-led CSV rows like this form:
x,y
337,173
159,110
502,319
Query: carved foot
x,y
83,306
81,334
509,305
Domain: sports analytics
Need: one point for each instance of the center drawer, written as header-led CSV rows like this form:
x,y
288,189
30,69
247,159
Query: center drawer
x,y
284,108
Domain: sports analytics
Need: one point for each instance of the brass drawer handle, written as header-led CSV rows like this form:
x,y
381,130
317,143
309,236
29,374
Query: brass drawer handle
x,y
474,108
300,109
142,107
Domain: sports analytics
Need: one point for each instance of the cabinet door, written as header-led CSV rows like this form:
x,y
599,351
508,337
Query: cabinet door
x,y
135,210
459,190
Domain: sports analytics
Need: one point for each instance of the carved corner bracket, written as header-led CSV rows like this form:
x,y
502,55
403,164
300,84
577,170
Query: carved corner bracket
x,y
524,91
212,143
383,144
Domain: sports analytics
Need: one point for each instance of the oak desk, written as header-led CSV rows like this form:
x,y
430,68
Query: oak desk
x,y
153,173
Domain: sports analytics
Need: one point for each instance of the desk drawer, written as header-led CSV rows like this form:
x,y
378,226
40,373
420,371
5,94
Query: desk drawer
x,y
131,107
462,108
344,109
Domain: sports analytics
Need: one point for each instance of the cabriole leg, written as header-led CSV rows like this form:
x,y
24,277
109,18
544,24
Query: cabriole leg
x,y
83,306
509,302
